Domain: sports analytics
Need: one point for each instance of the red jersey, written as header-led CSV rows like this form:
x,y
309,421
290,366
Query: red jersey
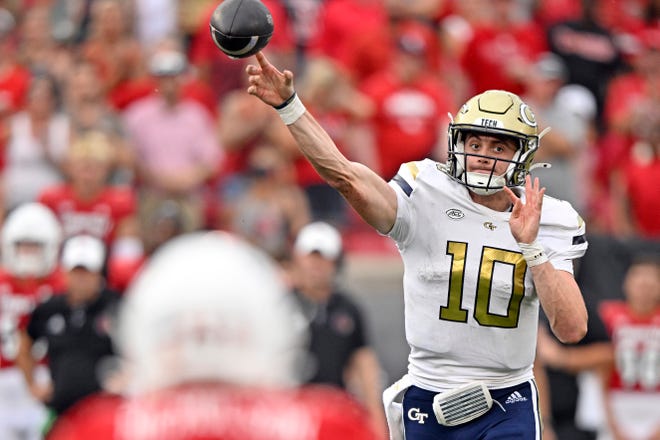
x,y
409,118
355,33
218,412
492,51
14,83
644,199
636,343
18,297
626,94
98,217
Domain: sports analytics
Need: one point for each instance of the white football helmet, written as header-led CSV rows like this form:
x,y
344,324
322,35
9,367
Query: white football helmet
x,y
209,306
36,224
493,112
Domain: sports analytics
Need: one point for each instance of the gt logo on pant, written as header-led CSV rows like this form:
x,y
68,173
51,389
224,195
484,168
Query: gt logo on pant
x,y
414,414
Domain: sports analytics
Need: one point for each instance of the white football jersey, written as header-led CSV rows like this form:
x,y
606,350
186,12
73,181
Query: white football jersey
x,y
471,311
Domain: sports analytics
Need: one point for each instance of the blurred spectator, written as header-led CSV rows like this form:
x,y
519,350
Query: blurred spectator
x,y
88,204
219,361
40,49
155,20
631,113
39,138
410,120
354,33
456,30
114,49
549,12
577,398
272,209
193,86
637,203
224,74
429,10
589,51
632,388
175,144
242,127
14,77
340,352
570,111
86,102
89,110
344,113
565,368
70,19
634,98
75,325
191,14
30,274
502,49
305,16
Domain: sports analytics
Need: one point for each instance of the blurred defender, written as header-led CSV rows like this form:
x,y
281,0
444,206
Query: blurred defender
x,y
479,258
211,340
30,274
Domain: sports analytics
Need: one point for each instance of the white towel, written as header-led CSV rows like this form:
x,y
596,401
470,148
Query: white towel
x,y
393,401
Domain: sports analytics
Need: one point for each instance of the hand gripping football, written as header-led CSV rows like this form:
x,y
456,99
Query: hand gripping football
x,y
241,28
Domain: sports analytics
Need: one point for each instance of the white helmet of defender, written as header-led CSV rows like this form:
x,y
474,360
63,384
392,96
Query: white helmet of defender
x,y
209,306
36,225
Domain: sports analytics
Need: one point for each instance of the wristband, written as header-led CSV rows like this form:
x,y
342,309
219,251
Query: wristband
x,y
533,253
291,110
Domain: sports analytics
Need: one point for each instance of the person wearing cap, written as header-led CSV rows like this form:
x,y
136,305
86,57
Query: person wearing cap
x,y
75,326
174,140
340,352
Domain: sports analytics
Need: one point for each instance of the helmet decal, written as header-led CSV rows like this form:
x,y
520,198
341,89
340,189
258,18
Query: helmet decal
x,y
527,115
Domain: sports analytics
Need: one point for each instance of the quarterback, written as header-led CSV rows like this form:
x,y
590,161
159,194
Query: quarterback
x,y
482,248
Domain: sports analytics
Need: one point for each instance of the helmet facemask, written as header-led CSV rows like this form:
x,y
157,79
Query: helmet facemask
x,y
490,183
30,259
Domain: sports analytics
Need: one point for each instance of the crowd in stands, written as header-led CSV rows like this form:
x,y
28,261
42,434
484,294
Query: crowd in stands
x,y
126,121
144,81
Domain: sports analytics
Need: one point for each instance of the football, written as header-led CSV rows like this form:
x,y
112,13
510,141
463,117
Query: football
x,y
241,28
